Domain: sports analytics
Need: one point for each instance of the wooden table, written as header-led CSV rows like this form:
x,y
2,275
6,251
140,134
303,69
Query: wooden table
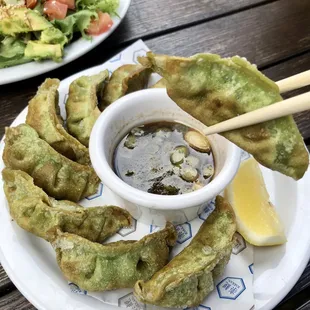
x,y
273,34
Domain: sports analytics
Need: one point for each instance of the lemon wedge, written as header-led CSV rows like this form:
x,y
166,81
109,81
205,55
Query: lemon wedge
x,y
257,220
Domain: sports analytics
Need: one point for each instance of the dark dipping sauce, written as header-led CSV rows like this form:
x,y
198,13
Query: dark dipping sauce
x,y
165,158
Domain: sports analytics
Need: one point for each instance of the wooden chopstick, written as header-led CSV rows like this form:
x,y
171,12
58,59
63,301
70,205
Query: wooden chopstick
x,y
283,108
294,82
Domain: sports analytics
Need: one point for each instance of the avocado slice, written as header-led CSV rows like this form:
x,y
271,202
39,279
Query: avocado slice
x,y
38,50
53,35
16,19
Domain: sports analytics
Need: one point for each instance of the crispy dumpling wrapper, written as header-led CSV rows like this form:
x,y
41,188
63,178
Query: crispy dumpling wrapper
x,y
57,175
159,84
213,89
189,277
44,116
41,215
82,105
96,267
124,80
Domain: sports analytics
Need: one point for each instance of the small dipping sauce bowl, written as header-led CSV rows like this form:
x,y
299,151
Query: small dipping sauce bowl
x,y
139,108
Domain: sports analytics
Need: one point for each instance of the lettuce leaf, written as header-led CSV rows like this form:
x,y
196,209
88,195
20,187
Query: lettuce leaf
x,y
78,21
108,6
12,52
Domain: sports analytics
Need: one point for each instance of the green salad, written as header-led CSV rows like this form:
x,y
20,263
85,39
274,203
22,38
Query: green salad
x,y
39,29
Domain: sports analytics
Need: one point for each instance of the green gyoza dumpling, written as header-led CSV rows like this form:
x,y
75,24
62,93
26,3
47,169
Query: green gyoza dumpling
x,y
57,175
124,80
213,89
41,215
82,105
96,267
189,277
44,116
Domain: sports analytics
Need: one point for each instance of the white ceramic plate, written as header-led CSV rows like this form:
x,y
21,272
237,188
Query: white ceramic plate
x,y
31,265
72,52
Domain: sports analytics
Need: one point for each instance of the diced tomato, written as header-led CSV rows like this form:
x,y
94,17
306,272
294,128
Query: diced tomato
x,y
31,3
100,25
55,10
69,3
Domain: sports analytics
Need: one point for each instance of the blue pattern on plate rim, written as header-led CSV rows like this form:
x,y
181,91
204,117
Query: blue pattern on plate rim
x,y
116,58
251,268
75,289
140,52
184,232
97,194
239,244
209,208
128,230
130,301
200,307
231,288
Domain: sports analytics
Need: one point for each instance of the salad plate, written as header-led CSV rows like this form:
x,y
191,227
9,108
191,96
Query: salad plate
x,y
30,262
71,52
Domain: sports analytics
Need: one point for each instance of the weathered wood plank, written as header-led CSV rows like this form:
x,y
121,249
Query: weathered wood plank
x,y
298,301
15,301
302,284
146,18
13,100
263,35
5,282
289,68
303,123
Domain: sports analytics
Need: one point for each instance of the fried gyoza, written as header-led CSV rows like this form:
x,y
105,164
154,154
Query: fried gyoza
x,y
39,214
57,175
124,80
189,277
160,84
214,89
44,116
82,105
97,267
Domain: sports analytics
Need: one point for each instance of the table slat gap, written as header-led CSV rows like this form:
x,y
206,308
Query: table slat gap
x,y
15,301
193,23
5,283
